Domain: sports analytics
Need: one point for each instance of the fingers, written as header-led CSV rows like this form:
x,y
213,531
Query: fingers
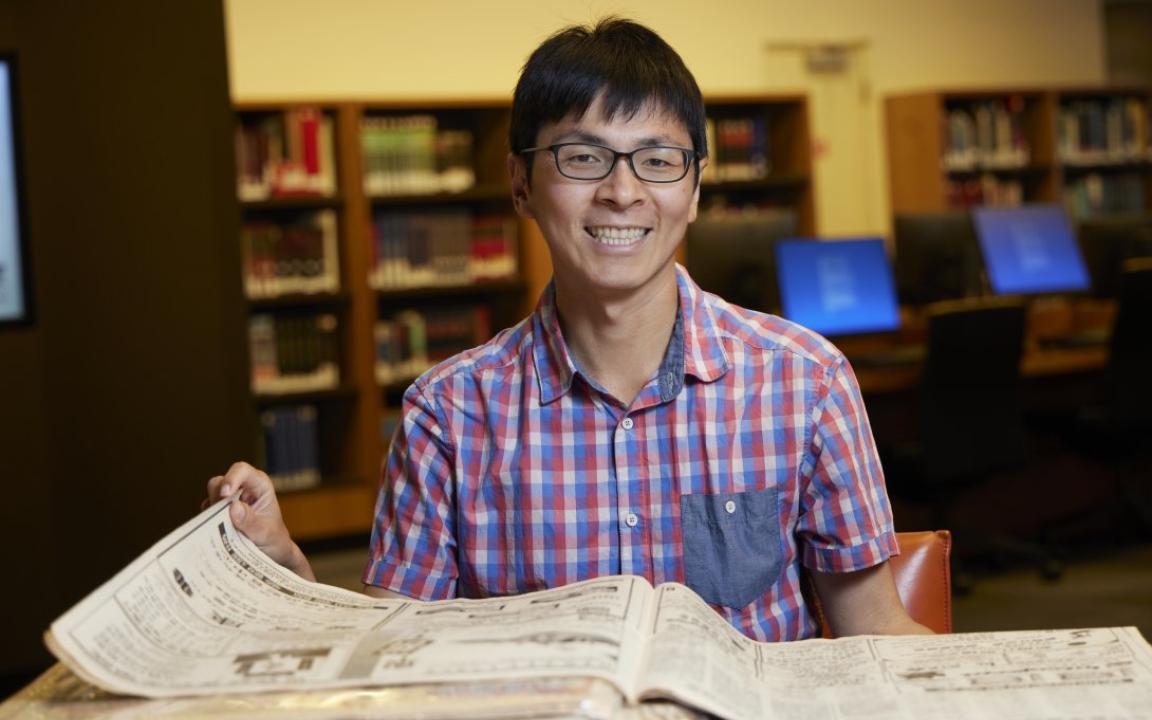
x,y
253,484
269,533
256,514
248,484
261,530
240,516
214,493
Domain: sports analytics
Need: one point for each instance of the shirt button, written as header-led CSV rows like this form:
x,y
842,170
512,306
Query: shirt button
x,y
730,506
627,424
630,519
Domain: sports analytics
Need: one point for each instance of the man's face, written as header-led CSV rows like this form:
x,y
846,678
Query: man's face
x,y
617,234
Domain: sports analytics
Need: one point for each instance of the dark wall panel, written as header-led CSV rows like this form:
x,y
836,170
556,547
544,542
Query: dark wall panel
x,y
129,392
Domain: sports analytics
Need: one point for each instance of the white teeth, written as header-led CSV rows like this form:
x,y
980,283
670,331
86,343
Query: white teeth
x,y
617,235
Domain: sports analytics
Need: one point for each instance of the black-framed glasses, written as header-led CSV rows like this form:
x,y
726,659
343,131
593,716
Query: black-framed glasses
x,y
587,161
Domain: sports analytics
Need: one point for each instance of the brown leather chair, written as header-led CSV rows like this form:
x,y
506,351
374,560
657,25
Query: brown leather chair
x,y
923,579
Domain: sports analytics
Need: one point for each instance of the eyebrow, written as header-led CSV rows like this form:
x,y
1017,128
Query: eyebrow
x,y
587,137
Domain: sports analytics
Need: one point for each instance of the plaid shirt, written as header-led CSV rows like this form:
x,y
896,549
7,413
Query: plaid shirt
x,y
748,454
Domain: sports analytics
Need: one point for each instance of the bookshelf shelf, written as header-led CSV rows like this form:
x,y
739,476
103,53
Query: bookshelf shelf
x,y
294,202
485,193
370,214
327,483
441,291
393,388
793,181
759,156
1026,171
1087,148
299,300
1071,167
344,392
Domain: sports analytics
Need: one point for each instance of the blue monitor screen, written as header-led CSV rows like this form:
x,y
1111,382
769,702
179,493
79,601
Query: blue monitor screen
x,y
1030,249
837,287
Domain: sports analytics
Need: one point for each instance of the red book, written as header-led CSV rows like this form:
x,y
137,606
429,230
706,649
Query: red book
x,y
310,140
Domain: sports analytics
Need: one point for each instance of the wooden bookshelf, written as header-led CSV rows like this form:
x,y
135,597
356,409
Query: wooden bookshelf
x,y
1089,148
353,414
351,447
787,178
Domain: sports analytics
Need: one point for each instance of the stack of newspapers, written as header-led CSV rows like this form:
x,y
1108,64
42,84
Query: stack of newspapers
x,y
204,625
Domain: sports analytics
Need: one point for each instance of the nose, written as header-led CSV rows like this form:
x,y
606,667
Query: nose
x,y
621,188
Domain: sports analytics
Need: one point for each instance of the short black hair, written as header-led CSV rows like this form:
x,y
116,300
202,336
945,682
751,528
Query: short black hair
x,y
626,61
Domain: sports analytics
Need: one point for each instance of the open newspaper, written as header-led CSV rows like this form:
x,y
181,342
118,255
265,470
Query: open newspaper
x,y
204,612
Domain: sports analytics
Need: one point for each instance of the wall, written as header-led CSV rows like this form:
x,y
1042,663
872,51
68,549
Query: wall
x,y
1128,34
364,48
129,391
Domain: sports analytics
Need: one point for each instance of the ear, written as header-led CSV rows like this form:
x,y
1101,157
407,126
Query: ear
x,y
521,190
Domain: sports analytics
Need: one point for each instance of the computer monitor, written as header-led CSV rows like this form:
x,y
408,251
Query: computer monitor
x,y
936,257
1107,242
837,287
732,255
1029,250
13,279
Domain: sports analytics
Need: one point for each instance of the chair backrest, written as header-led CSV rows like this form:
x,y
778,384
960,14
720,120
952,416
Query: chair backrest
x,y
970,408
923,574
923,577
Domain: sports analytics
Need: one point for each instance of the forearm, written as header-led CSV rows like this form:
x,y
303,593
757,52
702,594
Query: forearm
x,y
864,602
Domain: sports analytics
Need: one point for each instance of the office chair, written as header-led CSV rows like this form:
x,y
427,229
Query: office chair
x,y
971,425
1130,354
1118,429
923,580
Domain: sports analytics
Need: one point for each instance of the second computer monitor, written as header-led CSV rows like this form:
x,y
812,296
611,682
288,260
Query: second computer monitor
x,y
1107,242
837,287
1029,250
732,255
936,257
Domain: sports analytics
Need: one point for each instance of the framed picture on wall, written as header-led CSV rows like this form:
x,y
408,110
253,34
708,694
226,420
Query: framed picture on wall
x,y
15,306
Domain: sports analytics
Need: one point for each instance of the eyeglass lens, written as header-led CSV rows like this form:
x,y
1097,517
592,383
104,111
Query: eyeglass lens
x,y
592,162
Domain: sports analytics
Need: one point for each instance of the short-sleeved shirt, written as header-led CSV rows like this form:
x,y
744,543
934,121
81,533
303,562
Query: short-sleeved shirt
x,y
747,455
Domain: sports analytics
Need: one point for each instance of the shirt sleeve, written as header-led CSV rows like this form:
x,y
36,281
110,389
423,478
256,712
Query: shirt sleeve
x,y
846,520
413,546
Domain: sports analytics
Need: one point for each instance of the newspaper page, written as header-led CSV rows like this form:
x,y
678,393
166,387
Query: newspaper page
x,y
204,611
59,694
1087,674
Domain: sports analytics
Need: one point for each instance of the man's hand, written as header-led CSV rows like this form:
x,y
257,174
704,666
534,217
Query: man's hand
x,y
256,513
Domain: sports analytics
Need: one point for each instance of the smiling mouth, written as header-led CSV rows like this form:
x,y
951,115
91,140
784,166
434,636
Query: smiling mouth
x,y
617,236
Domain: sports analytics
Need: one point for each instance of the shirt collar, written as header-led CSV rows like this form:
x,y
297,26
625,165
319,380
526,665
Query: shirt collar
x,y
694,347
704,354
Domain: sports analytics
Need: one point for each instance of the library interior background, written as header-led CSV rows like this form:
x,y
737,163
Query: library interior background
x,y
243,228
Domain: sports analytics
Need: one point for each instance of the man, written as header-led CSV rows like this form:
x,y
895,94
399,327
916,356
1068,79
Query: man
x,y
633,424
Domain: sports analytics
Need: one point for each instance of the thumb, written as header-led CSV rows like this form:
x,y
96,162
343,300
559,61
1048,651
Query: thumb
x,y
240,514
260,530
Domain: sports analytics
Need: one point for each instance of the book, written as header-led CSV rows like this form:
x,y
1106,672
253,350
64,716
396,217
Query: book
x,y
1102,131
289,447
444,248
985,134
285,154
739,149
413,340
412,155
204,613
298,256
293,353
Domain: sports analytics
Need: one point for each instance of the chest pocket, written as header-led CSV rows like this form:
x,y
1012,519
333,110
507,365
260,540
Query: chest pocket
x,y
733,549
